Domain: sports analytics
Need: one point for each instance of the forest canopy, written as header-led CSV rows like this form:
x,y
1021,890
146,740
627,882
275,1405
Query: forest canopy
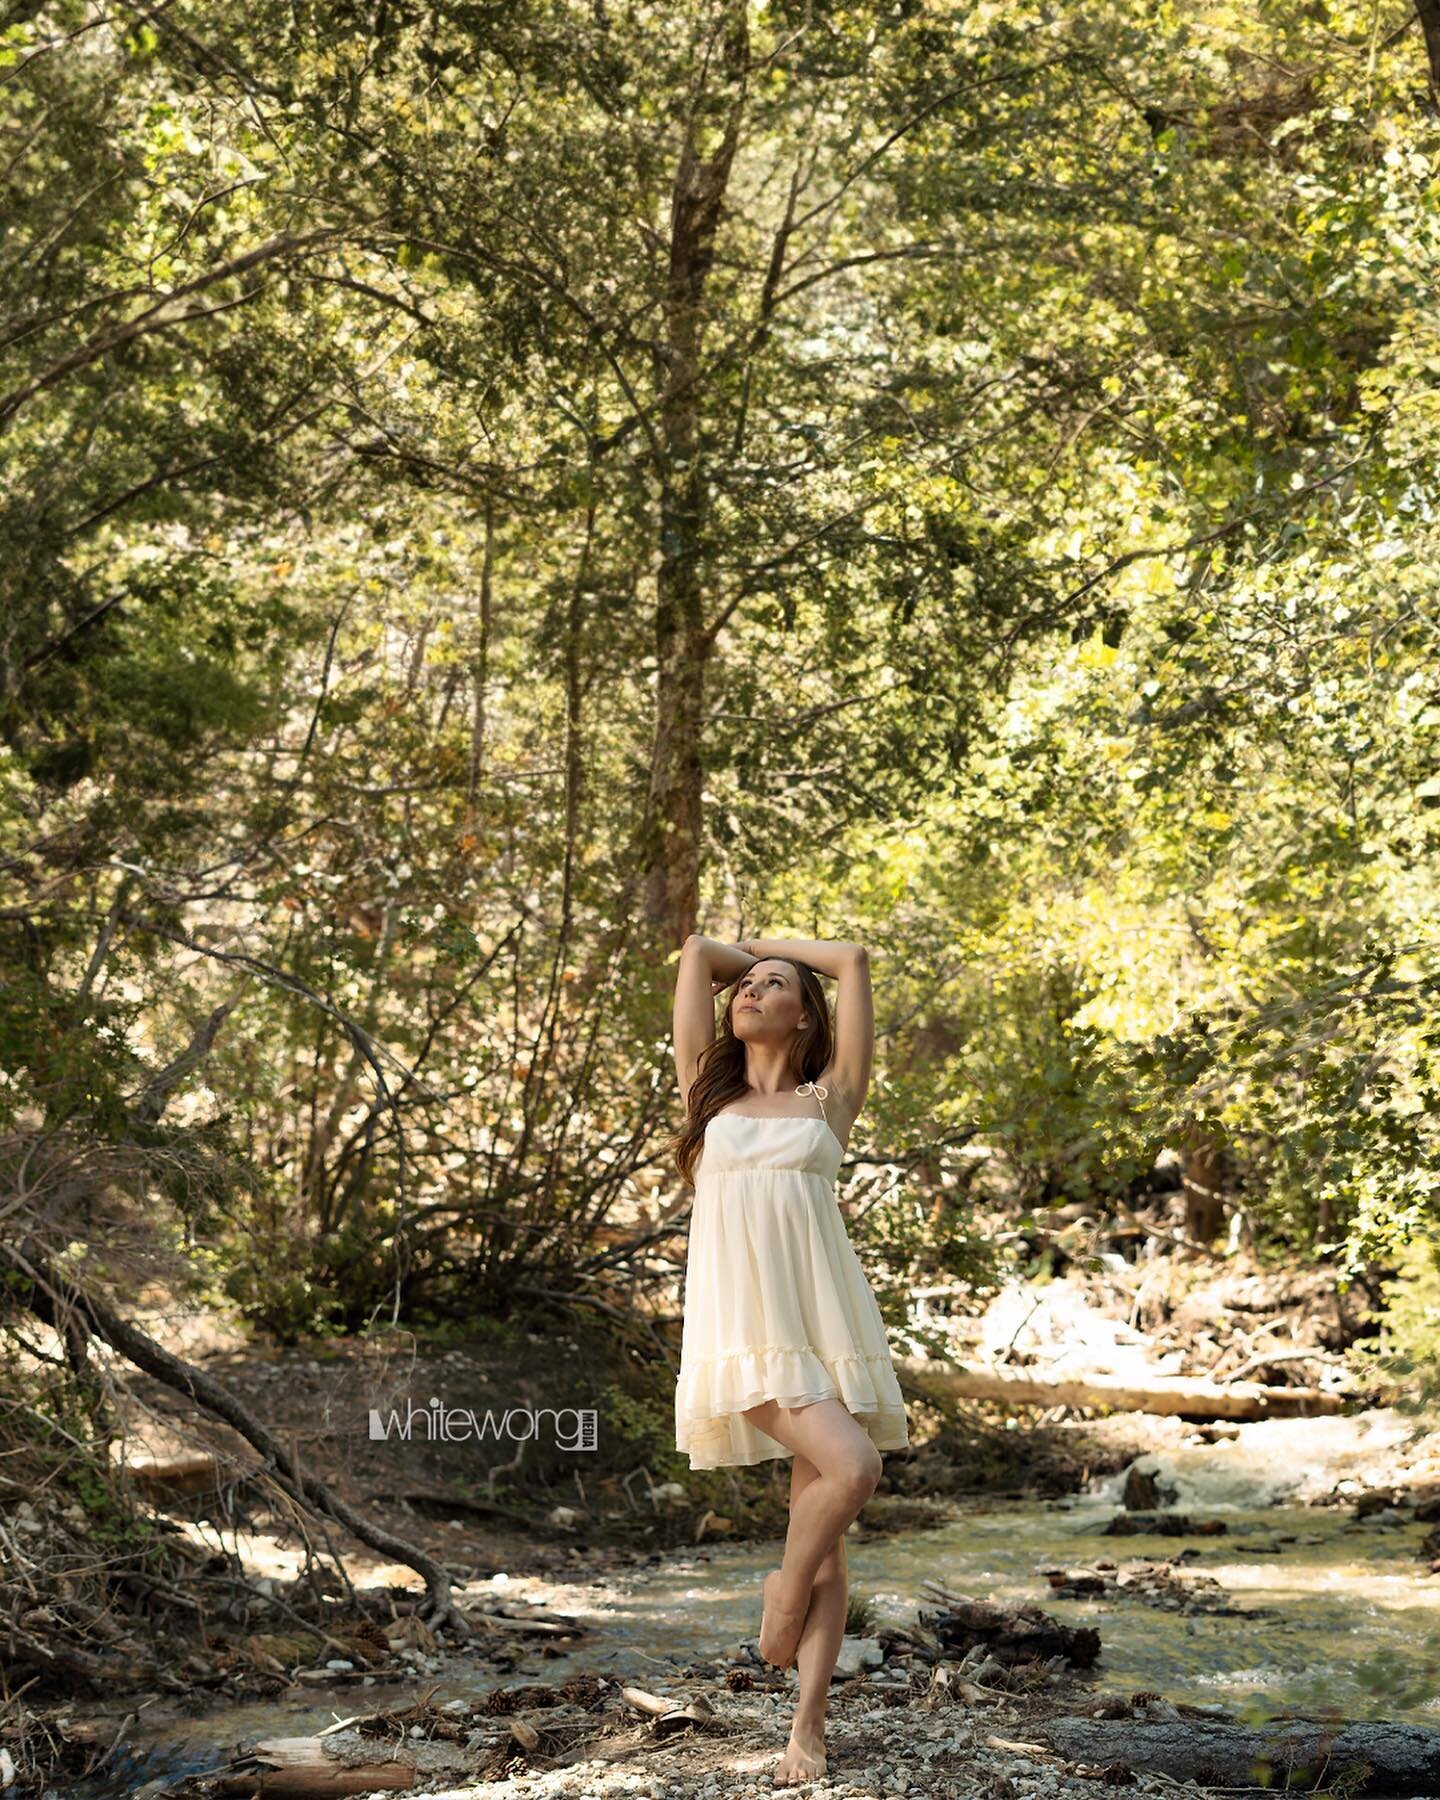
x,y
491,489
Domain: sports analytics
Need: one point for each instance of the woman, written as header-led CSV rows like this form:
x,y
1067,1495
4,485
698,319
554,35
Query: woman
x,y
784,1350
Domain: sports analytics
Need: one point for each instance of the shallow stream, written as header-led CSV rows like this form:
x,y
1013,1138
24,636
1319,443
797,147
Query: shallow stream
x,y
1338,1616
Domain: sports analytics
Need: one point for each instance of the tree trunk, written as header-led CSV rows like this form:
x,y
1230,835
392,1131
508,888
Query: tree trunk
x,y
480,676
1429,11
1201,1168
673,817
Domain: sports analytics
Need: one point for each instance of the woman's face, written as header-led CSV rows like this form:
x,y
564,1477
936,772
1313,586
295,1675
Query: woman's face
x,y
769,1004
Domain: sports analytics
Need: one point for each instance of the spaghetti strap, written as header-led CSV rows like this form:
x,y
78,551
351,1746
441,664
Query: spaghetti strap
x,y
814,1087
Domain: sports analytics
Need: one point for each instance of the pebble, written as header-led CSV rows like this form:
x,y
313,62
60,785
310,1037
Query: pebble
x,y
738,1764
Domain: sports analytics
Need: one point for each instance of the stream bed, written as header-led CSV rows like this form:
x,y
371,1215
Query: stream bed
x,y
1343,1618
1336,1615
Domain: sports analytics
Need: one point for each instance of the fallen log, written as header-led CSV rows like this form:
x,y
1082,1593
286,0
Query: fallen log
x,y
179,1473
304,1769
1376,1758
1188,1397
337,1764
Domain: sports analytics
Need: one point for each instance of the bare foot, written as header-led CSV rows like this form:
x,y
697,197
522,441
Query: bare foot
x,y
803,1759
779,1630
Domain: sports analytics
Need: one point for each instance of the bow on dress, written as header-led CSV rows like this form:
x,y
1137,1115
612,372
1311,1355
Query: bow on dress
x,y
813,1087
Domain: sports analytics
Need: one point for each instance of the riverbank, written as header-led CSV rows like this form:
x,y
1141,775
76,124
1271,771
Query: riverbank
x,y
972,1730
1217,1608
910,1740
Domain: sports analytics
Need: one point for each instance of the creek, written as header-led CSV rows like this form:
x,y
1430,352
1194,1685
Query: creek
x,y
1337,1616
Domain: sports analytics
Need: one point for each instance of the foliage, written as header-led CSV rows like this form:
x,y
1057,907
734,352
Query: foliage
x,y
861,1614
483,483
1404,1349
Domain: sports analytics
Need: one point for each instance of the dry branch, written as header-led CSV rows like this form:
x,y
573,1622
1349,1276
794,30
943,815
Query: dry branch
x,y
54,1296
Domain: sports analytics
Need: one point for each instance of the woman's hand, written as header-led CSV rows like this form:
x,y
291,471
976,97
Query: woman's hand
x,y
825,955
719,984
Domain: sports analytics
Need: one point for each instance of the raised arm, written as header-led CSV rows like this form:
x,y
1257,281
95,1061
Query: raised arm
x,y
854,1006
707,967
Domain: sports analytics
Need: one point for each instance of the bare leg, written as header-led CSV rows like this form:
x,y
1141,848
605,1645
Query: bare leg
x,y
817,1651
828,1436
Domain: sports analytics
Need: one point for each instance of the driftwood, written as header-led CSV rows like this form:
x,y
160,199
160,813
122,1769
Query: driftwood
x,y
1380,1758
1010,1633
337,1763
666,1717
537,1627
646,1702
304,1768
1186,1396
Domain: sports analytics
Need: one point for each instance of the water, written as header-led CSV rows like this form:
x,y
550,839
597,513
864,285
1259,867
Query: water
x,y
1344,1621
1341,1617
1344,1618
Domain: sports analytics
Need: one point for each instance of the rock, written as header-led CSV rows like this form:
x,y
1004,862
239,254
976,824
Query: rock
x,y
1377,1501
1144,1490
856,1654
1077,1584
1162,1525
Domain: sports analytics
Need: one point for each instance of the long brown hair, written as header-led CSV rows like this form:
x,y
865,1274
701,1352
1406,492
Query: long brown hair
x,y
720,1067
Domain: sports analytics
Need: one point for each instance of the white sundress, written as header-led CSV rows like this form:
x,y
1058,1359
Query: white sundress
x,y
777,1306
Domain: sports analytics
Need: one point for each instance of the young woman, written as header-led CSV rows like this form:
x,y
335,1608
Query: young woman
x,y
784,1350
